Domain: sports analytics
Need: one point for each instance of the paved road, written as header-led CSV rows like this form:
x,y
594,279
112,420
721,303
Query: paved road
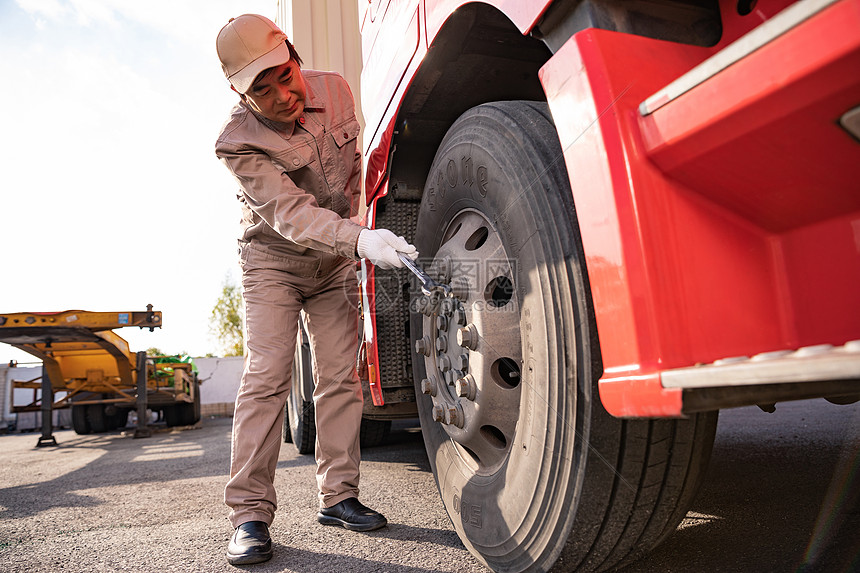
x,y
111,503
778,489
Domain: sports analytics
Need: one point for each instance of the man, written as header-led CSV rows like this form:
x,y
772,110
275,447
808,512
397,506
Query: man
x,y
291,145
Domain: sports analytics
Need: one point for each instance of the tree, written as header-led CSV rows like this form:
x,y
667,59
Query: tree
x,y
156,351
227,317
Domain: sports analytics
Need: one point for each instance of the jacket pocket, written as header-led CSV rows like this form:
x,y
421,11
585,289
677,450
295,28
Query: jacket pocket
x,y
345,132
257,255
294,158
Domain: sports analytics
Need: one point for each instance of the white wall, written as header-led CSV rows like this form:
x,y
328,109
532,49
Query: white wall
x,y
22,397
10,398
327,36
220,378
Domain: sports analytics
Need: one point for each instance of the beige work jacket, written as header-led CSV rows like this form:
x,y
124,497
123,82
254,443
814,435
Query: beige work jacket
x,y
299,184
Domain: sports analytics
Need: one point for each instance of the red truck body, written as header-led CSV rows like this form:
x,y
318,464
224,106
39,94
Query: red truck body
x,y
648,210
724,223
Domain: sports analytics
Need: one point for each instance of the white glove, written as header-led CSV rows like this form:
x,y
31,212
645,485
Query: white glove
x,y
380,246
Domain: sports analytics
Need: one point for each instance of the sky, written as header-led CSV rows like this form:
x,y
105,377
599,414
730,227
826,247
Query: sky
x,y
111,197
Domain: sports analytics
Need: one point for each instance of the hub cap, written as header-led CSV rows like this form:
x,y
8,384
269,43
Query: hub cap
x,y
471,343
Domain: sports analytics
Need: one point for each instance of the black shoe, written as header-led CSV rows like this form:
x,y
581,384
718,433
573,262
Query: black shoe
x,y
351,514
250,544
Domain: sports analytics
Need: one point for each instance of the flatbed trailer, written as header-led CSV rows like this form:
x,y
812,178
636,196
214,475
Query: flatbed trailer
x,y
103,380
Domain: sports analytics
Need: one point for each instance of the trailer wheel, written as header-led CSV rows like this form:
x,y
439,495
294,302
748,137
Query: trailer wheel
x,y
530,467
171,414
121,420
191,410
96,418
115,417
79,420
184,413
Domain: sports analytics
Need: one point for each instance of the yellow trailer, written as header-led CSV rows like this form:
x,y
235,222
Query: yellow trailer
x,y
103,380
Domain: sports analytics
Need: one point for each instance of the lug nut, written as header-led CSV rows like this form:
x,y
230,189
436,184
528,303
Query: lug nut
x,y
429,385
442,343
462,362
438,413
454,416
467,337
444,363
444,266
422,346
466,387
460,288
442,322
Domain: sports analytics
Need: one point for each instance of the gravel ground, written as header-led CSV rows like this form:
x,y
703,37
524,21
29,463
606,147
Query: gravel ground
x,y
112,503
780,488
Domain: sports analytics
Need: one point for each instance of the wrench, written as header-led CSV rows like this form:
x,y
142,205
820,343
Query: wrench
x,y
428,285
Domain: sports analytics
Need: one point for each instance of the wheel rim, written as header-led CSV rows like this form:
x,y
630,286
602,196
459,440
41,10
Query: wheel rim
x,y
471,343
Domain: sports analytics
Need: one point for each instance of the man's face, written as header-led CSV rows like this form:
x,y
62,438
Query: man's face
x,y
279,95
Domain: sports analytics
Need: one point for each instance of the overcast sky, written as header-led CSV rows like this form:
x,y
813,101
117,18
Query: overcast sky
x,y
111,197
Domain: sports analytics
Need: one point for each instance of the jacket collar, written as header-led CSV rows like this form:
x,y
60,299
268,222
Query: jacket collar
x,y
313,102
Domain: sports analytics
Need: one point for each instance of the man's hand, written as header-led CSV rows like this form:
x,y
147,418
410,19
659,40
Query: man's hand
x,y
380,247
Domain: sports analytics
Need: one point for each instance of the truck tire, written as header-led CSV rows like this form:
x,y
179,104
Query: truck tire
x,y
79,420
373,432
302,429
301,417
300,414
300,422
287,434
530,467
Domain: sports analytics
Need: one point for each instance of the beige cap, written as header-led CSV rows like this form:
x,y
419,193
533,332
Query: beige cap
x,y
247,45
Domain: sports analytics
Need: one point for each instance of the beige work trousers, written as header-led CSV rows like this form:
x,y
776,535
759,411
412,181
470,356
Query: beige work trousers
x,y
274,297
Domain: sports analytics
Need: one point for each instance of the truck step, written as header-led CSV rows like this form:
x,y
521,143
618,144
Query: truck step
x,y
789,18
810,364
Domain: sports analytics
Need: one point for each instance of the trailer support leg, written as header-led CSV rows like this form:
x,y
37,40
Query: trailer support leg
x,y
142,431
47,437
